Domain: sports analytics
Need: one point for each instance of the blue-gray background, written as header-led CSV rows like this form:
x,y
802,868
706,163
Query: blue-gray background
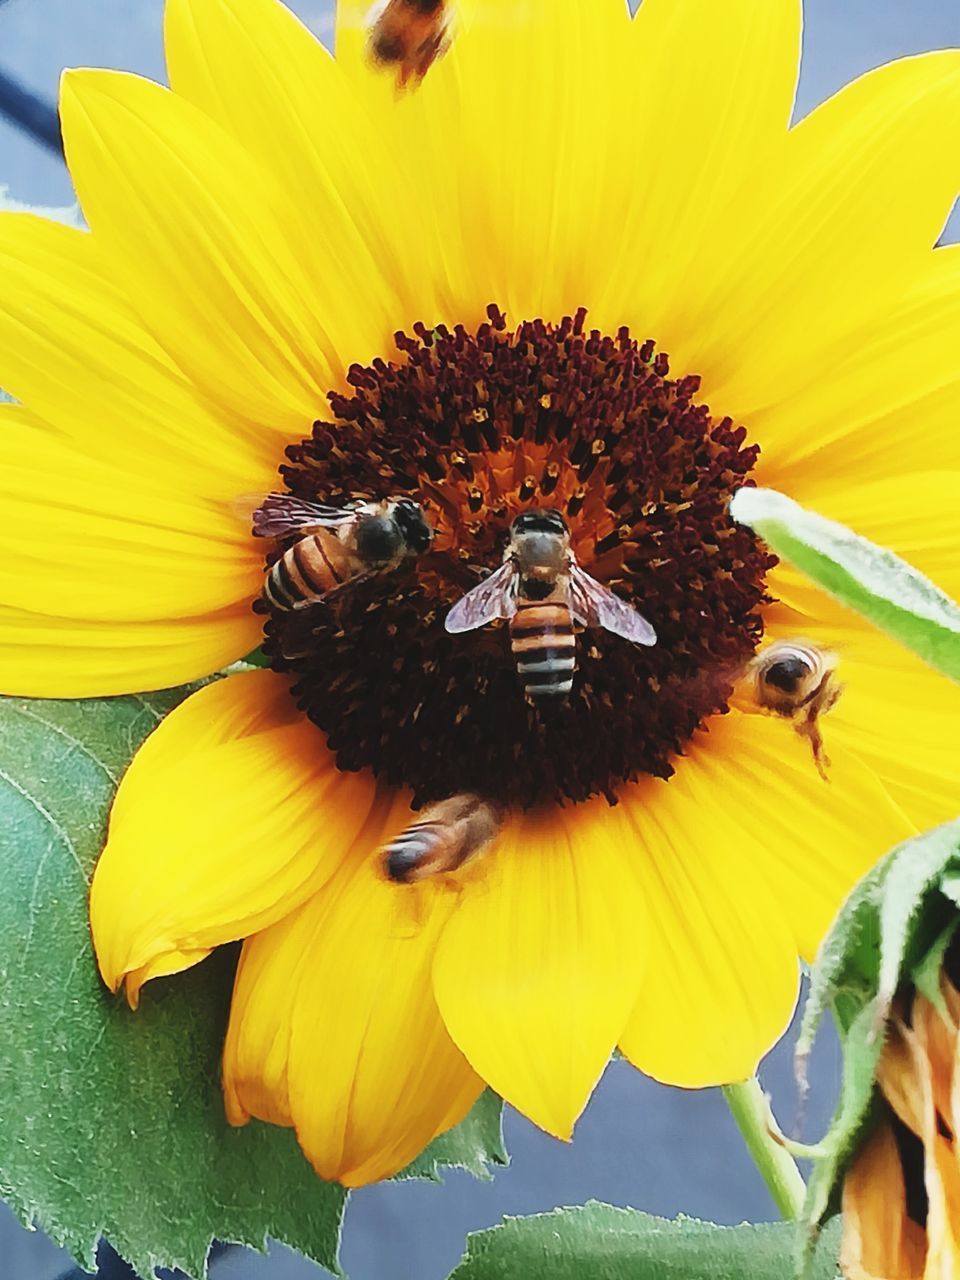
x,y
639,1143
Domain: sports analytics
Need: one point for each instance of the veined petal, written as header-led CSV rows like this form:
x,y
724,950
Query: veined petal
x,y
334,1027
736,885
898,370
562,70
895,713
261,819
195,229
862,191
713,87
271,78
722,976
421,132
162,966
110,541
762,773
879,1237
539,966
73,351
44,655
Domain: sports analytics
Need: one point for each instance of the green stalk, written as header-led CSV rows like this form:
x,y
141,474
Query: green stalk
x,y
749,1107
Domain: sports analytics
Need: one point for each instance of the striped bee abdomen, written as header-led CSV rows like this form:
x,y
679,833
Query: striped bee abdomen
x,y
307,571
545,647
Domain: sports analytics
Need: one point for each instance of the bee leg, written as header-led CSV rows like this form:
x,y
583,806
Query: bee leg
x,y
809,728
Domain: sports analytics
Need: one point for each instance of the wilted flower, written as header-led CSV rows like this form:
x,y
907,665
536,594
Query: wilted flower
x,y
901,1194
570,195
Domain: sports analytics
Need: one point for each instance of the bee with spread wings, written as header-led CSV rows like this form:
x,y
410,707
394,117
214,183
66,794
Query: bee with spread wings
x,y
541,590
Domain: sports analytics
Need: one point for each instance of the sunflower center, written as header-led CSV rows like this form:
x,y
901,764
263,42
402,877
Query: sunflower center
x,y
479,428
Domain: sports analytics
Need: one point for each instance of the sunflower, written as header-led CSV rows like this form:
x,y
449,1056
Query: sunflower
x,y
587,267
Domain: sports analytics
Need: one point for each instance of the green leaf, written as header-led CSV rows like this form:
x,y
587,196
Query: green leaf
x,y
861,1053
112,1122
925,976
848,960
598,1242
885,589
474,1145
915,868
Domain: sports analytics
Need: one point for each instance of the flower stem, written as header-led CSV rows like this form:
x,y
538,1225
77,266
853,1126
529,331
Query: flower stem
x,y
749,1107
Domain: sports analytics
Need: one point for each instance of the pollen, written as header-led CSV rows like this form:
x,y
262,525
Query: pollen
x,y
478,427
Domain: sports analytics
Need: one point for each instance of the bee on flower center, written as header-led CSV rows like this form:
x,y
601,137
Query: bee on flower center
x,y
797,681
409,35
337,545
541,590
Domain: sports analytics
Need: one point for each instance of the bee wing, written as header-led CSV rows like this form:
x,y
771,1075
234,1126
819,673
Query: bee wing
x,y
495,597
281,513
595,605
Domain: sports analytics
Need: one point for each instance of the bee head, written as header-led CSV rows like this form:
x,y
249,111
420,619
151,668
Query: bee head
x,y
787,672
786,667
540,522
388,47
416,533
379,539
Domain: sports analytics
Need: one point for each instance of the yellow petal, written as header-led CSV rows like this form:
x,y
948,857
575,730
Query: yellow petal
x,y
261,819
73,351
539,966
201,239
712,86
334,1027
164,966
719,863
880,1241
896,714
839,225
540,193
44,655
111,541
847,424
271,78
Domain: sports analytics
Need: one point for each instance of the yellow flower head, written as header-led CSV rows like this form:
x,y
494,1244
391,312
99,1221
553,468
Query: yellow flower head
x,y
586,268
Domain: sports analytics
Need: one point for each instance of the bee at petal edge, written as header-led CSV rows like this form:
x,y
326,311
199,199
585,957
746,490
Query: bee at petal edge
x,y
409,35
448,835
337,544
796,680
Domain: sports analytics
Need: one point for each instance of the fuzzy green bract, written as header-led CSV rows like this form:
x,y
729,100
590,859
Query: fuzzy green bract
x,y
885,589
113,1121
598,1242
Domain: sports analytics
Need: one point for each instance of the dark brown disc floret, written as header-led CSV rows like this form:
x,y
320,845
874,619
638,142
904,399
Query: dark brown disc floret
x,y
477,428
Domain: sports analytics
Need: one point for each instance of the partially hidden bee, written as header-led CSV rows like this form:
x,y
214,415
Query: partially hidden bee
x,y
337,544
542,592
409,35
796,680
448,835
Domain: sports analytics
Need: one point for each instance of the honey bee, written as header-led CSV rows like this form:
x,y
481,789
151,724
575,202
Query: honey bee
x,y
542,591
448,835
796,680
409,35
338,544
